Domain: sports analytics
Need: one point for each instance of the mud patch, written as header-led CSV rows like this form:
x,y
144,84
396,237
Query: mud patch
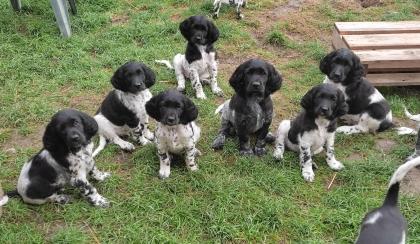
x,y
354,157
411,183
17,141
370,3
119,19
384,145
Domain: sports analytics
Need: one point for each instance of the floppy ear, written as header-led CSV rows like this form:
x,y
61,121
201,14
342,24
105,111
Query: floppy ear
x,y
236,80
190,112
274,80
90,125
150,76
152,107
117,79
342,107
324,65
212,32
358,70
51,138
307,100
185,28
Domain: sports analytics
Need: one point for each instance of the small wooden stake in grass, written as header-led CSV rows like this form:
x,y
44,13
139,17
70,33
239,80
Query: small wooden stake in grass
x,y
332,181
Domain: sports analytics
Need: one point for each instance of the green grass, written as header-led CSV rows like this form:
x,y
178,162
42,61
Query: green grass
x,y
231,198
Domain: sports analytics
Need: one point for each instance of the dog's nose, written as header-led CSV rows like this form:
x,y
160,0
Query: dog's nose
x,y
198,38
256,84
324,109
336,75
75,137
171,119
138,85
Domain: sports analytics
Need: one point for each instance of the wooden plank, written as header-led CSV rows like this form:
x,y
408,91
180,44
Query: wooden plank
x,y
382,41
337,41
395,79
352,28
390,60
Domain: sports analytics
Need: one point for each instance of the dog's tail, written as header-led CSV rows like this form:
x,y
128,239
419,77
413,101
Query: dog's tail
x,y
221,106
391,198
101,146
165,62
412,117
406,130
4,200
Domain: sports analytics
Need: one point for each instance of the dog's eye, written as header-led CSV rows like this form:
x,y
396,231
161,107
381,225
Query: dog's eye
x,y
138,71
76,123
333,98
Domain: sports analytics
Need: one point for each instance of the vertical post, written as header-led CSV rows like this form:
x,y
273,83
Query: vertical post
x,y
16,5
62,16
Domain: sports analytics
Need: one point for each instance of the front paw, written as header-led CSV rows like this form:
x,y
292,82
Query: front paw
x,y
193,167
127,146
215,16
164,173
218,91
278,154
260,151
240,16
335,165
100,201
101,176
62,199
219,142
143,141
344,129
201,95
308,174
246,152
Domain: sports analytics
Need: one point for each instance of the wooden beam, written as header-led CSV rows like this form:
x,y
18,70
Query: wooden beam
x,y
352,28
383,41
390,59
395,79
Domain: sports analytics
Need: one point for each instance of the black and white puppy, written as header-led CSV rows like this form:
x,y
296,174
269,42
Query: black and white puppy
x,y
313,129
199,62
386,224
123,112
237,3
250,110
368,109
65,159
410,131
176,131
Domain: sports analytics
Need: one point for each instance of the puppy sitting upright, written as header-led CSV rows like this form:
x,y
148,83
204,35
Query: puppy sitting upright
x,y
313,128
66,159
199,62
123,112
250,111
176,131
368,109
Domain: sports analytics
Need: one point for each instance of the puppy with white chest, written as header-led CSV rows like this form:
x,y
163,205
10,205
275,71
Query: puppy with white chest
x,y
177,132
199,62
250,110
368,109
386,224
66,159
313,128
237,3
123,112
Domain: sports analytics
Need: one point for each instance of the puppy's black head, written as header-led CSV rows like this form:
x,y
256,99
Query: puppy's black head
x,y
171,108
325,100
255,78
133,77
199,30
71,129
342,65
